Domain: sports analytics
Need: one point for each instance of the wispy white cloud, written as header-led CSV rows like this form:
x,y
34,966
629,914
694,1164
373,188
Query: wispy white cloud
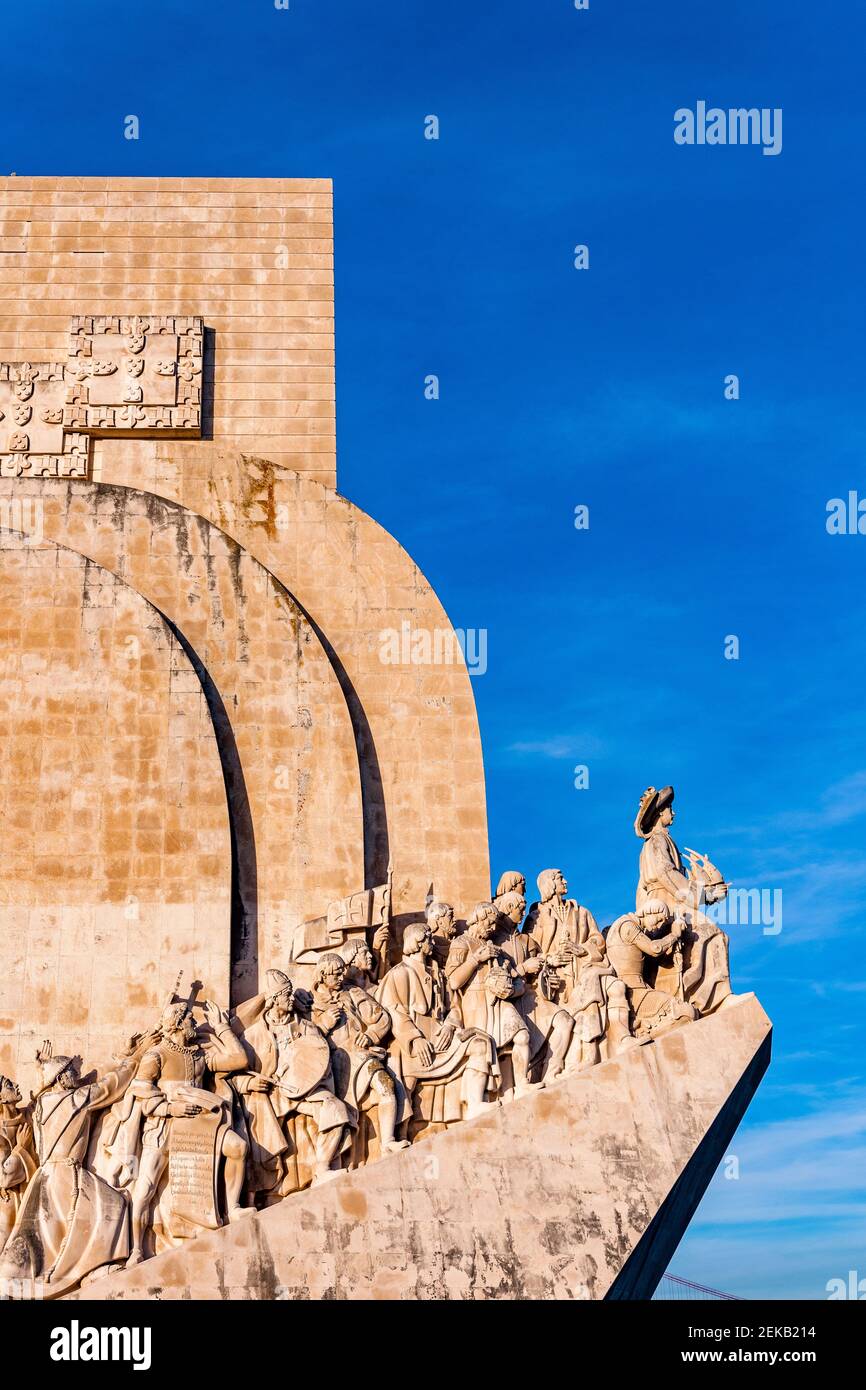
x,y
782,1263
845,800
801,1185
839,803
559,747
825,987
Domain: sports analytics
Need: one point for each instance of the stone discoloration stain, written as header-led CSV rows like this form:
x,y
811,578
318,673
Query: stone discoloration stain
x,y
352,1202
502,1220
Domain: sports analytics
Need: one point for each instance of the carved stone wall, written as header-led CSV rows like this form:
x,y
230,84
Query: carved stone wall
x,y
116,864
286,735
133,375
214,762
419,743
252,257
35,441
252,261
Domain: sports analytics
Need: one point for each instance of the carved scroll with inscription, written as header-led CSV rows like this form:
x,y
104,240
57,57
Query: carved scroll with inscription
x,y
194,1162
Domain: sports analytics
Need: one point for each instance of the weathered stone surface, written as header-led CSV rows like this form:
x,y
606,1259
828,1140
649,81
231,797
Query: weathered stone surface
x,y
582,1190
253,260
285,732
116,865
419,745
252,257
238,718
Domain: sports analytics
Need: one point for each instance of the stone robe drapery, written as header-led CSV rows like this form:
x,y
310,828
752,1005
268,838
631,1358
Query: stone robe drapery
x,y
282,1130
661,873
478,1008
120,1142
631,951
353,1067
166,1067
588,1002
704,980
536,1011
17,1166
553,925
70,1221
418,1001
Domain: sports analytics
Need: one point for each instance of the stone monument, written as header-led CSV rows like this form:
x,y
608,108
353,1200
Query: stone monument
x,y
256,994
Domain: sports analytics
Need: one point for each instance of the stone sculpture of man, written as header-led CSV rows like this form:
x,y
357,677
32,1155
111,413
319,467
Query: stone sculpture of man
x,y
170,1086
360,962
599,1004
485,987
633,941
70,1221
559,925
512,881
17,1156
440,920
661,866
357,1028
705,981
550,1024
288,1094
519,946
450,1070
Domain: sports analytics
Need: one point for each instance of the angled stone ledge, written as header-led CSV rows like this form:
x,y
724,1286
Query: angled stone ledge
x,y
581,1191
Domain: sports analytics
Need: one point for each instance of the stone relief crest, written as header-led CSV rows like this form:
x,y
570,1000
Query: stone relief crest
x,y
124,376
134,361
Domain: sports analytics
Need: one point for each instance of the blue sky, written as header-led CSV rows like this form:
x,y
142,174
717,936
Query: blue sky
x,y
601,387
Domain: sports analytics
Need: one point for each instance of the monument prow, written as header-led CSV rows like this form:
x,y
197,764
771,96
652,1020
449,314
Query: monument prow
x,y
246,745
582,1190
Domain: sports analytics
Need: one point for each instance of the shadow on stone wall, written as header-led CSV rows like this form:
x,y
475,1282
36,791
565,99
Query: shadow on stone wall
x,y
244,885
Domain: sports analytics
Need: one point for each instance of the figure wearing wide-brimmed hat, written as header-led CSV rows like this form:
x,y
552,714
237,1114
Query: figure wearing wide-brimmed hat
x,y
661,866
704,977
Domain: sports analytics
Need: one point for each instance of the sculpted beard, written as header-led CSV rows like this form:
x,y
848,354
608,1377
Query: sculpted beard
x,y
188,1029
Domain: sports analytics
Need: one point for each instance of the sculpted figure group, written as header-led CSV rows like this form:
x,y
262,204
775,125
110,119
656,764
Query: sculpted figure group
x,y
211,1116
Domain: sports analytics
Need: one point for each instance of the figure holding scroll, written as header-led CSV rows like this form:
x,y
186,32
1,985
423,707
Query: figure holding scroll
x,y
170,1085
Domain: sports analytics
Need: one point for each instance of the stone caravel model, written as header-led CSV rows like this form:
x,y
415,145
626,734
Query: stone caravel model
x,y
245,871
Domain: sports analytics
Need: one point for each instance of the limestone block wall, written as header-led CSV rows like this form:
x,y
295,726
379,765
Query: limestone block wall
x,y
284,728
340,763
417,726
253,257
116,861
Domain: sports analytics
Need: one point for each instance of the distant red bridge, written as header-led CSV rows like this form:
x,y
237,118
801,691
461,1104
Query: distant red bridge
x,y
671,1286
